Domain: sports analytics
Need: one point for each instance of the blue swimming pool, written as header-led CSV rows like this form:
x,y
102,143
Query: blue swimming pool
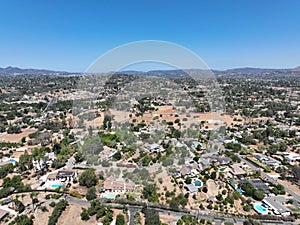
x,y
198,183
109,196
56,186
222,169
240,190
260,209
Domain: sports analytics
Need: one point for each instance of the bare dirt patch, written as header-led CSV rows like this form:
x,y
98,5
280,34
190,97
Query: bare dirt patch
x,y
72,216
212,188
17,137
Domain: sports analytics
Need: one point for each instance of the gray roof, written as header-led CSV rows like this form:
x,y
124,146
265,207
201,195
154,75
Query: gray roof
x,y
223,160
65,173
275,204
191,188
258,184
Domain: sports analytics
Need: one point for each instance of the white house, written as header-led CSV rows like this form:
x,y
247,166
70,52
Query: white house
x,y
291,156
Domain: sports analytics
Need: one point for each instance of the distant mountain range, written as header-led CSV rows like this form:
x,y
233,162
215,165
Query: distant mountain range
x,y
255,70
18,71
246,70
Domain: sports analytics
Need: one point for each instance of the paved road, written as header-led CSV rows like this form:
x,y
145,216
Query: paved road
x,y
202,214
131,212
77,201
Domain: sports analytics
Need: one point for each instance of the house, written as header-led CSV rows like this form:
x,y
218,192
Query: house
x,y
276,206
261,157
66,175
154,148
38,165
227,140
268,161
21,149
185,170
272,163
7,200
63,175
52,176
258,184
291,156
113,185
50,155
191,188
236,169
190,170
204,163
223,160
196,145
3,213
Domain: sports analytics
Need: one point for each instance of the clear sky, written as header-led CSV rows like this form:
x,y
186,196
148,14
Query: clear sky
x,y
69,35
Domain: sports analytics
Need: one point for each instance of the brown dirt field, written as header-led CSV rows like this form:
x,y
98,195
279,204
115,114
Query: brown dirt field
x,y
289,185
168,114
168,219
17,137
41,218
166,182
72,216
212,188
239,208
17,154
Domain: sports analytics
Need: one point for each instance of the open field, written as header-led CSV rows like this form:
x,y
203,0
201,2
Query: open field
x,y
16,137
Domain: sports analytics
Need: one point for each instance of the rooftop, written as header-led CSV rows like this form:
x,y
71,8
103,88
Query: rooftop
x,y
191,188
3,213
275,204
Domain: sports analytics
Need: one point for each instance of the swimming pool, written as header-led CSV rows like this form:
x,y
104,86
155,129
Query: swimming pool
x,y
56,186
198,183
240,190
222,169
260,209
109,196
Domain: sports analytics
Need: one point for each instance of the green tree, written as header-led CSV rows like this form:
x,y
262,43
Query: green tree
x,y
247,208
137,219
213,175
188,180
120,220
151,217
84,215
88,178
23,220
91,194
258,195
174,204
150,192
78,157
117,156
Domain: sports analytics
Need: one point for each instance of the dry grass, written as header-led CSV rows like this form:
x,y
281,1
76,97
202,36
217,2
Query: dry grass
x,y
17,137
72,216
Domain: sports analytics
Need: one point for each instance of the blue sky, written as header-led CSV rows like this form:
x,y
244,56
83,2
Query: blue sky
x,y
69,35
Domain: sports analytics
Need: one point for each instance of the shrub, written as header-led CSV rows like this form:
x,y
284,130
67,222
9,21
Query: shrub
x,y
88,178
91,194
59,208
